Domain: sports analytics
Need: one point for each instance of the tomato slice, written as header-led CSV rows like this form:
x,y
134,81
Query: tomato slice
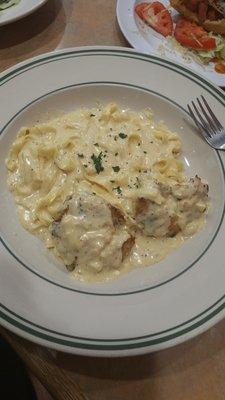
x,y
191,35
157,16
139,9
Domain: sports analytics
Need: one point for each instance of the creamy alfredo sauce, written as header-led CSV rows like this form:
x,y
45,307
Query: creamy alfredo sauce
x,y
105,190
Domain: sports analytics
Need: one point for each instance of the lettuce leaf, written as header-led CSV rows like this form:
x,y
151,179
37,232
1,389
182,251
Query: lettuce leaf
x,y
219,51
7,3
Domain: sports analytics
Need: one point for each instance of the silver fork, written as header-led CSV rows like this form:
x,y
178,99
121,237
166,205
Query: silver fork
x,y
207,123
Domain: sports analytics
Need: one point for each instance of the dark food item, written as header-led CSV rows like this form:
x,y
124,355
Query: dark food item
x,y
203,9
208,13
127,247
117,216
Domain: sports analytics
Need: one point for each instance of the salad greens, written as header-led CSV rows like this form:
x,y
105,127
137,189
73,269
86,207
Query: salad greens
x,y
7,3
200,56
218,52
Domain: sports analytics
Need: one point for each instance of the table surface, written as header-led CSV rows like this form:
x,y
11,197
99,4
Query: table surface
x,y
193,370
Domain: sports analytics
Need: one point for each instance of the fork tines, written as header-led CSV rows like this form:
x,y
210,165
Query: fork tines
x,y
204,117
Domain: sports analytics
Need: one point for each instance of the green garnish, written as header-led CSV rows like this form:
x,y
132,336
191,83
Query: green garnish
x,y
138,183
96,144
118,189
97,160
116,154
116,168
92,115
122,135
7,3
80,155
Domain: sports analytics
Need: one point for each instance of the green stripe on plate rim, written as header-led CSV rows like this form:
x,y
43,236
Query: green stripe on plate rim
x,y
7,247
5,77
206,86
101,344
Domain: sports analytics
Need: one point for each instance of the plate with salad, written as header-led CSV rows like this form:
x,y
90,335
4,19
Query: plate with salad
x,y
12,10
190,32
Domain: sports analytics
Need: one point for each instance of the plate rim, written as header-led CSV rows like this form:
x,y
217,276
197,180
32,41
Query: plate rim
x,y
114,350
208,321
19,16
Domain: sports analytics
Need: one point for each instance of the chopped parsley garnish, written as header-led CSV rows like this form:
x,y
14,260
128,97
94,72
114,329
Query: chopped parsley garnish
x,y
118,189
115,138
116,168
138,183
122,135
139,143
145,152
92,115
97,160
85,165
112,181
116,154
80,155
96,144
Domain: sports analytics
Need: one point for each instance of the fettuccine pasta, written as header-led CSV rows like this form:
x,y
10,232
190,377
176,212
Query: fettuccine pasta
x,y
105,190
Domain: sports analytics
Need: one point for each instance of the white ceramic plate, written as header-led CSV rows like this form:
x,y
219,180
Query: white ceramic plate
x,y
24,8
148,309
144,38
